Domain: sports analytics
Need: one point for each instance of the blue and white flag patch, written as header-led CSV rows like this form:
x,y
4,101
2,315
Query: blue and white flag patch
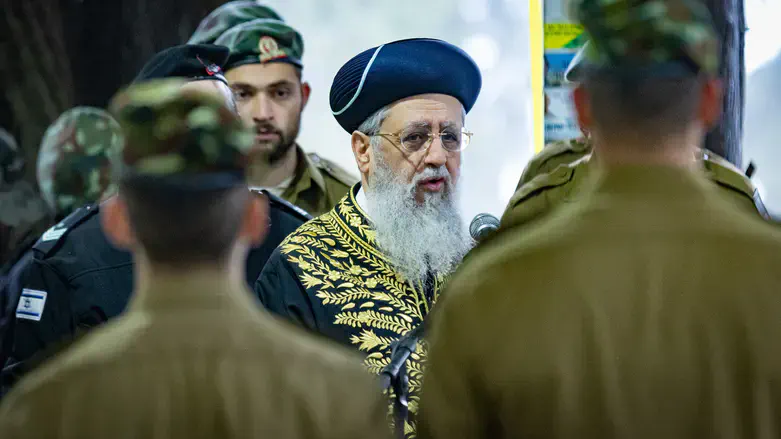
x,y
31,305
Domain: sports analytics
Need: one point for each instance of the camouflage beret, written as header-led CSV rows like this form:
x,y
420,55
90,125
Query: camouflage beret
x,y
672,37
181,138
74,161
262,41
11,159
228,15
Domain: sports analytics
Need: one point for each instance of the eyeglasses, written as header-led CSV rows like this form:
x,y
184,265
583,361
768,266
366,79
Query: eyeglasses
x,y
416,139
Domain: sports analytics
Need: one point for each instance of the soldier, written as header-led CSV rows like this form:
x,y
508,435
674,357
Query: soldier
x,y
192,357
265,72
645,308
77,279
554,175
73,171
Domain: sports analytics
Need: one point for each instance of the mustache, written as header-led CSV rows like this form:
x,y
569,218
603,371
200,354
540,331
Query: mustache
x,y
440,172
267,128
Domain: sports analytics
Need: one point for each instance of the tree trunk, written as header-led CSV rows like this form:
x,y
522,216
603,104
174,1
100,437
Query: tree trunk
x,y
726,138
57,54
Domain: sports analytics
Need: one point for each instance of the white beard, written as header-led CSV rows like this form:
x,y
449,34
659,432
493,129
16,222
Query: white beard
x,y
418,239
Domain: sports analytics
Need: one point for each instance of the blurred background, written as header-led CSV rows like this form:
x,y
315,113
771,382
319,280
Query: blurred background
x,y
55,54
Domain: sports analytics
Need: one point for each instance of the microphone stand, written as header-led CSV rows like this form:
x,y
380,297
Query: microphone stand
x,y
394,376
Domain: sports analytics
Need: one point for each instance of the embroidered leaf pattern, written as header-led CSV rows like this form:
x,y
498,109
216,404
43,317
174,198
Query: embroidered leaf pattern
x,y
341,267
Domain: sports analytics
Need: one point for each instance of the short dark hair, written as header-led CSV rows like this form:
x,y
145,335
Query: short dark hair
x,y
646,105
178,227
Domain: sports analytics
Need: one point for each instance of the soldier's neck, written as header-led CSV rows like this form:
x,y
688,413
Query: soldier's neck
x,y
677,150
262,174
212,278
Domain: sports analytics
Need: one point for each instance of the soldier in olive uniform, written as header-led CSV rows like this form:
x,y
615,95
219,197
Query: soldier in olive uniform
x,y
77,279
192,357
265,72
648,307
553,176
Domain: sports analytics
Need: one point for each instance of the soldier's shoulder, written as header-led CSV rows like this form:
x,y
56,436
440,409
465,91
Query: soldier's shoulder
x,y
332,170
553,155
54,238
727,174
560,176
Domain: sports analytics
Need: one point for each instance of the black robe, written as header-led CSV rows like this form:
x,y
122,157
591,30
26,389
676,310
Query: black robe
x,y
330,277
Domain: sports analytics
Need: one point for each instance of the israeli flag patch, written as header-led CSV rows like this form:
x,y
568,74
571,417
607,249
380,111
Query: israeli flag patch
x,y
31,305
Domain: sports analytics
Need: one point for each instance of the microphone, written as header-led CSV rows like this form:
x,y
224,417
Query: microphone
x,y
482,226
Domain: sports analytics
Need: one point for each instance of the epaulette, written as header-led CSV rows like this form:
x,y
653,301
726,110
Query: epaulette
x,y
51,239
558,177
333,170
726,174
286,206
550,153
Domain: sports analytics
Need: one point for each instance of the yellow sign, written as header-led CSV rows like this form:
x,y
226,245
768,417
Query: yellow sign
x,y
563,36
537,56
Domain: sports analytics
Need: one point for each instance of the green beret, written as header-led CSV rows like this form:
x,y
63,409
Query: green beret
x,y
75,158
669,37
228,15
262,41
178,137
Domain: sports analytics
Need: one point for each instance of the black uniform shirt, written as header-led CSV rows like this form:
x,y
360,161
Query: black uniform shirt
x,y
76,280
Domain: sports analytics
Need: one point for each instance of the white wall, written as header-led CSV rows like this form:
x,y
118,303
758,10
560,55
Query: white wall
x,y
762,122
494,32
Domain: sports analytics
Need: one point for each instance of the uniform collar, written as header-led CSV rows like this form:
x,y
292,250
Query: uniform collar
x,y
306,174
194,294
655,181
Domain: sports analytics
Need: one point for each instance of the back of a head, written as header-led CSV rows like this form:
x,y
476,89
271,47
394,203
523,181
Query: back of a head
x,y
646,62
74,161
182,171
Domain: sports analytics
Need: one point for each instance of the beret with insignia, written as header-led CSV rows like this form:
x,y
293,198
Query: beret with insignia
x,y
179,138
194,62
228,15
647,37
382,75
75,157
262,41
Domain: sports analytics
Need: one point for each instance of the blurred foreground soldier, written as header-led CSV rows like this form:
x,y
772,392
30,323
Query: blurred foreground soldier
x,y
73,171
77,279
22,211
74,159
192,357
228,15
264,70
369,271
646,308
555,174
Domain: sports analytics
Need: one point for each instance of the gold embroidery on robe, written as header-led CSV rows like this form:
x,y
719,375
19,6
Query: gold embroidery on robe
x,y
343,268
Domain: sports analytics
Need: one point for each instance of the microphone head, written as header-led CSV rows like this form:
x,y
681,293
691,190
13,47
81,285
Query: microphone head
x,y
483,225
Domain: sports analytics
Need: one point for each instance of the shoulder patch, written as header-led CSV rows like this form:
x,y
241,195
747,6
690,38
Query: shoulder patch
x,y
726,174
275,201
559,176
31,304
333,170
52,237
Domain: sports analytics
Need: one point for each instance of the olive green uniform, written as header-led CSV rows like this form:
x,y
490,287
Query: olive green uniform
x,y
646,308
555,175
318,184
